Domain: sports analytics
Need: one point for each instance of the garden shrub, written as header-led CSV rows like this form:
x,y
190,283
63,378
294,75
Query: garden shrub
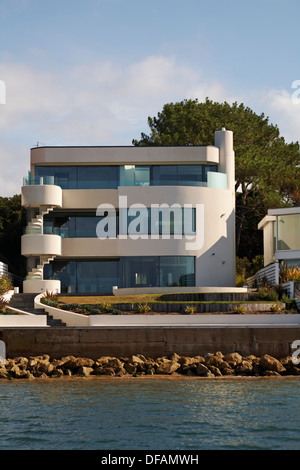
x,y
240,309
190,309
143,308
5,284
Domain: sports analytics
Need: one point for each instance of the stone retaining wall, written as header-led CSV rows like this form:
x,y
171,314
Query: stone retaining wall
x,y
202,307
152,342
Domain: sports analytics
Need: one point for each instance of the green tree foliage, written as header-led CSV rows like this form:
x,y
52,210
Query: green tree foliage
x,y
266,167
12,221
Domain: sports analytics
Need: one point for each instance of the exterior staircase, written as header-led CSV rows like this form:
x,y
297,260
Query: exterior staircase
x,y
35,227
37,273
25,302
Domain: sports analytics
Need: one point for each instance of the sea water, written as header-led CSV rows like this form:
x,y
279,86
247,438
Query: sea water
x,y
150,414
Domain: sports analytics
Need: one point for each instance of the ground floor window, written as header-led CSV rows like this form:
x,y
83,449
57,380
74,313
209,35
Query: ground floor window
x,y
100,275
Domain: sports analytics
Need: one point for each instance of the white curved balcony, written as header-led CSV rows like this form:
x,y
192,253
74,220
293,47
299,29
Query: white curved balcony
x,y
36,245
41,195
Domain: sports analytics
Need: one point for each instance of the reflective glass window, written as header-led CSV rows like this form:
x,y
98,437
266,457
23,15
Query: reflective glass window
x,y
84,276
98,177
110,177
190,175
288,232
99,276
164,175
206,169
73,225
64,176
177,271
134,175
140,271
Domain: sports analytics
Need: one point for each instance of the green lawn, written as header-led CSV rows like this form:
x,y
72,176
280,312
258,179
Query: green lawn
x,y
113,299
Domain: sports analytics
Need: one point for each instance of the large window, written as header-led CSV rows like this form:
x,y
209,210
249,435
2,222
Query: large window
x,y
135,175
110,177
99,276
178,221
288,232
73,225
180,175
158,271
98,177
84,276
162,221
81,177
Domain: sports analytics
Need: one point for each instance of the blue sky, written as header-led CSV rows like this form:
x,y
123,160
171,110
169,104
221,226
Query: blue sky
x,y
91,72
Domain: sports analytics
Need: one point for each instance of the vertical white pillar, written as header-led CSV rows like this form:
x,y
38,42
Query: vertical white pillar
x,y
224,141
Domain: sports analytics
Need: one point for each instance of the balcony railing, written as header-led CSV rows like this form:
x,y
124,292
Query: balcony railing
x,y
38,180
214,180
31,180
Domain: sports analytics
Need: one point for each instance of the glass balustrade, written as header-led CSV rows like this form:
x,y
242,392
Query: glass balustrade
x,y
113,176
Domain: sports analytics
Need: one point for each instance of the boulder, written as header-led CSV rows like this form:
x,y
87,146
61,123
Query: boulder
x,y
74,363
45,367
100,370
22,362
213,360
85,371
270,363
137,359
219,354
233,359
203,370
3,372
216,371
58,372
245,367
227,370
270,373
130,367
166,366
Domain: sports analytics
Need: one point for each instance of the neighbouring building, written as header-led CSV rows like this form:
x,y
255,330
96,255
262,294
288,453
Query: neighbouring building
x,y
132,218
281,235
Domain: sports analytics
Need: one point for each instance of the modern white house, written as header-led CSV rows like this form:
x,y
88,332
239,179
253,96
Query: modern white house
x,y
130,218
281,235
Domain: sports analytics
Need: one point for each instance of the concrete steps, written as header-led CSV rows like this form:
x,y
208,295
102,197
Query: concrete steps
x,y
25,302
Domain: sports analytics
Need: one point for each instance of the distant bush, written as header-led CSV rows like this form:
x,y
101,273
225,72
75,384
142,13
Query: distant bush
x,y
143,308
5,284
114,311
51,303
104,306
240,309
3,305
50,298
291,273
70,307
90,309
275,308
190,309
264,293
95,311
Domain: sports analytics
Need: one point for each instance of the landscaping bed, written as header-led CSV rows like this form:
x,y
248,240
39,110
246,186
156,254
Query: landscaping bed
x,y
262,301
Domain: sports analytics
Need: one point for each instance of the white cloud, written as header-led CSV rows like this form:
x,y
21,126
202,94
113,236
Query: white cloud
x,y
94,104
285,112
106,104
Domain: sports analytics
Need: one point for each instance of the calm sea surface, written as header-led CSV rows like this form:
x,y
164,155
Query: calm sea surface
x,y
150,414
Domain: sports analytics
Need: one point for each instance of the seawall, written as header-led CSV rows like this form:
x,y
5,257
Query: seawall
x,y
152,342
